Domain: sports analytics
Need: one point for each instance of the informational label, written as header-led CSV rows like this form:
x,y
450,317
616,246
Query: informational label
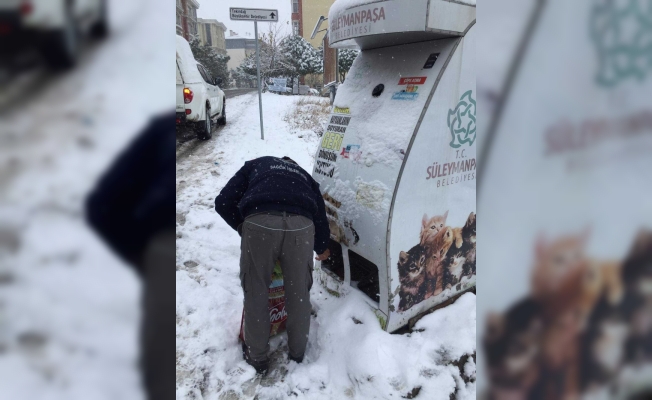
x,y
405,96
413,80
253,14
331,142
338,124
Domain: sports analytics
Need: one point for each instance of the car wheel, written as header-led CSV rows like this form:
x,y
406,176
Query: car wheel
x,y
205,127
100,29
222,120
61,47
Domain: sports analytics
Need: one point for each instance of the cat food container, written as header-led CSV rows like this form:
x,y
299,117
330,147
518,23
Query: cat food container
x,y
397,162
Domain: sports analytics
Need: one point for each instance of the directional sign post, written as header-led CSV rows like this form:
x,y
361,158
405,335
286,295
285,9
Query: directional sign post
x,y
253,14
256,14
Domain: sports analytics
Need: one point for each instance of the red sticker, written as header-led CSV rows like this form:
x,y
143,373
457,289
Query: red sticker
x,y
420,80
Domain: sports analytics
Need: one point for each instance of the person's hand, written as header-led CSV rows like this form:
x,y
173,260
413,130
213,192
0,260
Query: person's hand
x,y
323,255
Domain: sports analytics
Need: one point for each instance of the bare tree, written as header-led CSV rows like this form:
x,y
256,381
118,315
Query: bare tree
x,y
272,60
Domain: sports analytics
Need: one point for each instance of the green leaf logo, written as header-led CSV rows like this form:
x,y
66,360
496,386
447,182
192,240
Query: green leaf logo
x,y
461,121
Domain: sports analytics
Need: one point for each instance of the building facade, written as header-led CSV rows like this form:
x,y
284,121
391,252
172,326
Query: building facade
x,y
330,63
311,10
212,33
304,20
297,20
238,49
180,18
187,19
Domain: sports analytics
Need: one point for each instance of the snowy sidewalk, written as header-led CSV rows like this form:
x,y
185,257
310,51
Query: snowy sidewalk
x,y
69,309
348,355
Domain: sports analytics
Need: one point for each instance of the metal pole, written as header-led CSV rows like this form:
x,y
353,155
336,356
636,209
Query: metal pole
x,y
337,65
260,96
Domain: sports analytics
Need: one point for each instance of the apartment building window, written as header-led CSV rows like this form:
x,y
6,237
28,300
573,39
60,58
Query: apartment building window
x,y
295,6
192,29
295,27
209,39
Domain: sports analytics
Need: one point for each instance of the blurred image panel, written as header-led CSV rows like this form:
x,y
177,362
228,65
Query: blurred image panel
x,y
564,200
86,186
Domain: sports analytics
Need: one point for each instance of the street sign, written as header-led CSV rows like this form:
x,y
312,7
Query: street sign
x,y
262,15
253,14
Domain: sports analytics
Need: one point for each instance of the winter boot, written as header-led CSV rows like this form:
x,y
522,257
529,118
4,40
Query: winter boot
x,y
261,367
297,360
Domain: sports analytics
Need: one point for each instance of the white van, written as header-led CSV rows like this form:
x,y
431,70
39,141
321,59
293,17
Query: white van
x,y
199,98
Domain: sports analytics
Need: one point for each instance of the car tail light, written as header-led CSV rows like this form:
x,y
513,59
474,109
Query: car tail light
x,y
26,8
188,95
188,112
178,121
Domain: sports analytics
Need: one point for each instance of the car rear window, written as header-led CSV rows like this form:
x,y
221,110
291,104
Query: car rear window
x,y
204,74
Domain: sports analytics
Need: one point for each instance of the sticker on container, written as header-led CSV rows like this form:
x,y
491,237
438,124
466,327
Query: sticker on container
x,y
411,88
419,80
324,168
340,120
405,96
327,155
332,141
351,151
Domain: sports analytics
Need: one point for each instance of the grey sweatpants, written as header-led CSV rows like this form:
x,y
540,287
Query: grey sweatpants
x,y
265,239
158,326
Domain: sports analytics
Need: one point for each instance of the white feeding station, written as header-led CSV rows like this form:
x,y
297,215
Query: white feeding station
x,y
397,164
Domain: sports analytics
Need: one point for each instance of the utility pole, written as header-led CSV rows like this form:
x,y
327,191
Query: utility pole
x,y
260,96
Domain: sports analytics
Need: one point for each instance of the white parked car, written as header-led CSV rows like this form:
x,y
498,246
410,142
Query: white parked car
x,y
199,98
55,27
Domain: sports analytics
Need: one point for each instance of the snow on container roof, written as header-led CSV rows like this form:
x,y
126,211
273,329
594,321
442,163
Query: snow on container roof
x,y
367,24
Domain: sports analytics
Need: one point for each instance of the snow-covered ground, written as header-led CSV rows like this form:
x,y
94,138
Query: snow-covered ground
x,y
348,355
69,310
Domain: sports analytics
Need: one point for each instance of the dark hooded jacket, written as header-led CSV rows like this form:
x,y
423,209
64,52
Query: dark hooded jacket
x,y
135,198
272,184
